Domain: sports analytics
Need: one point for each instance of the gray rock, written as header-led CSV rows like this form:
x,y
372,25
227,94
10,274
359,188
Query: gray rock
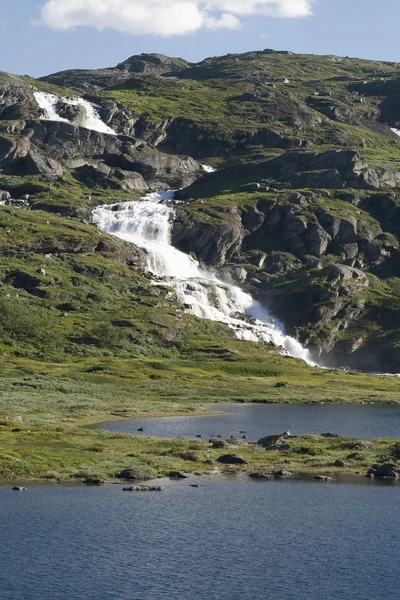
x,y
217,444
272,441
281,474
231,459
340,463
143,488
260,475
389,470
135,474
176,475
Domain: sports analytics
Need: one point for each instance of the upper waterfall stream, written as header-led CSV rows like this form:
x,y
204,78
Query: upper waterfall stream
x,y
147,224
50,106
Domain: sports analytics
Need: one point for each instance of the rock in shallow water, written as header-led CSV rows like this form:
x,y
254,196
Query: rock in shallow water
x,y
387,470
176,475
143,488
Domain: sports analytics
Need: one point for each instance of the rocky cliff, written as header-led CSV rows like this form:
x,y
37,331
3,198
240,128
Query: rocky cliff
x,y
303,210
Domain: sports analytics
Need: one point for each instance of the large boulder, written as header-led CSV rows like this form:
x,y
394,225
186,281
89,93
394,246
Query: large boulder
x,y
133,475
231,459
213,243
387,470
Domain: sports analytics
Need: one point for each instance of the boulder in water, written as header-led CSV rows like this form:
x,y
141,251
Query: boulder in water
x,y
176,475
76,114
281,474
388,470
143,488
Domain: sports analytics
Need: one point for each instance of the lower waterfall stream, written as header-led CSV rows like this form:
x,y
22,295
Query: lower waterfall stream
x,y
147,224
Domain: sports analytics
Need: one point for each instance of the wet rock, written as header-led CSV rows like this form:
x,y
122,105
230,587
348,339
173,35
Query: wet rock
x,y
143,488
388,470
231,459
176,475
93,481
19,489
281,474
322,478
260,475
75,114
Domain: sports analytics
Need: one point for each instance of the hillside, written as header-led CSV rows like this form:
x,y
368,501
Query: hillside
x,y
302,212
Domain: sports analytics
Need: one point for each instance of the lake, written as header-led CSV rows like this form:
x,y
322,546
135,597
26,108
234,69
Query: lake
x,y
259,420
229,539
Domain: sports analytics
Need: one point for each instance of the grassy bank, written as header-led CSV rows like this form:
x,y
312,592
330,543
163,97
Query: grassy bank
x,y
79,454
44,405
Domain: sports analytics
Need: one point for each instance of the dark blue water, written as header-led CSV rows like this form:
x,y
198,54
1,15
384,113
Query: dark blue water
x,y
226,540
259,420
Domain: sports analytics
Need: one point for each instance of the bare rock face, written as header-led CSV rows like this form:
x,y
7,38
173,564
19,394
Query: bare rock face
x,y
154,64
20,157
15,93
334,169
211,243
48,146
76,115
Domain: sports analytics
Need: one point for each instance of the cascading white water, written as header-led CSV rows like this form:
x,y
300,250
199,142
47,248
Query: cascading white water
x,y
208,169
147,224
48,104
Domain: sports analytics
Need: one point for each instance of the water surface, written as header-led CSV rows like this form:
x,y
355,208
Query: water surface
x,y
226,540
259,420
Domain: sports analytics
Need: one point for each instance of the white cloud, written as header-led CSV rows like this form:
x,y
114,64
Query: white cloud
x,y
165,17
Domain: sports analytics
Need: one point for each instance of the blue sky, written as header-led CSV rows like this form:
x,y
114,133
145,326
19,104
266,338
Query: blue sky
x,y
38,43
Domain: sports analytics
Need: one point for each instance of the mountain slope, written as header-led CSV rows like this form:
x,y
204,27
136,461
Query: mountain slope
x,y
303,211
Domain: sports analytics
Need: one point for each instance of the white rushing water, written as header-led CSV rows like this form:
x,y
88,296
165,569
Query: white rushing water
x,y
48,103
147,224
208,169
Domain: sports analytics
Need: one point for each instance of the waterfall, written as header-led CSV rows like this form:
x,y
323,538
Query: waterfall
x,y
48,103
147,224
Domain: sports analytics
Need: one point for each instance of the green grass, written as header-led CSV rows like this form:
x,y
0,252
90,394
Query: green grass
x,y
54,398
83,454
